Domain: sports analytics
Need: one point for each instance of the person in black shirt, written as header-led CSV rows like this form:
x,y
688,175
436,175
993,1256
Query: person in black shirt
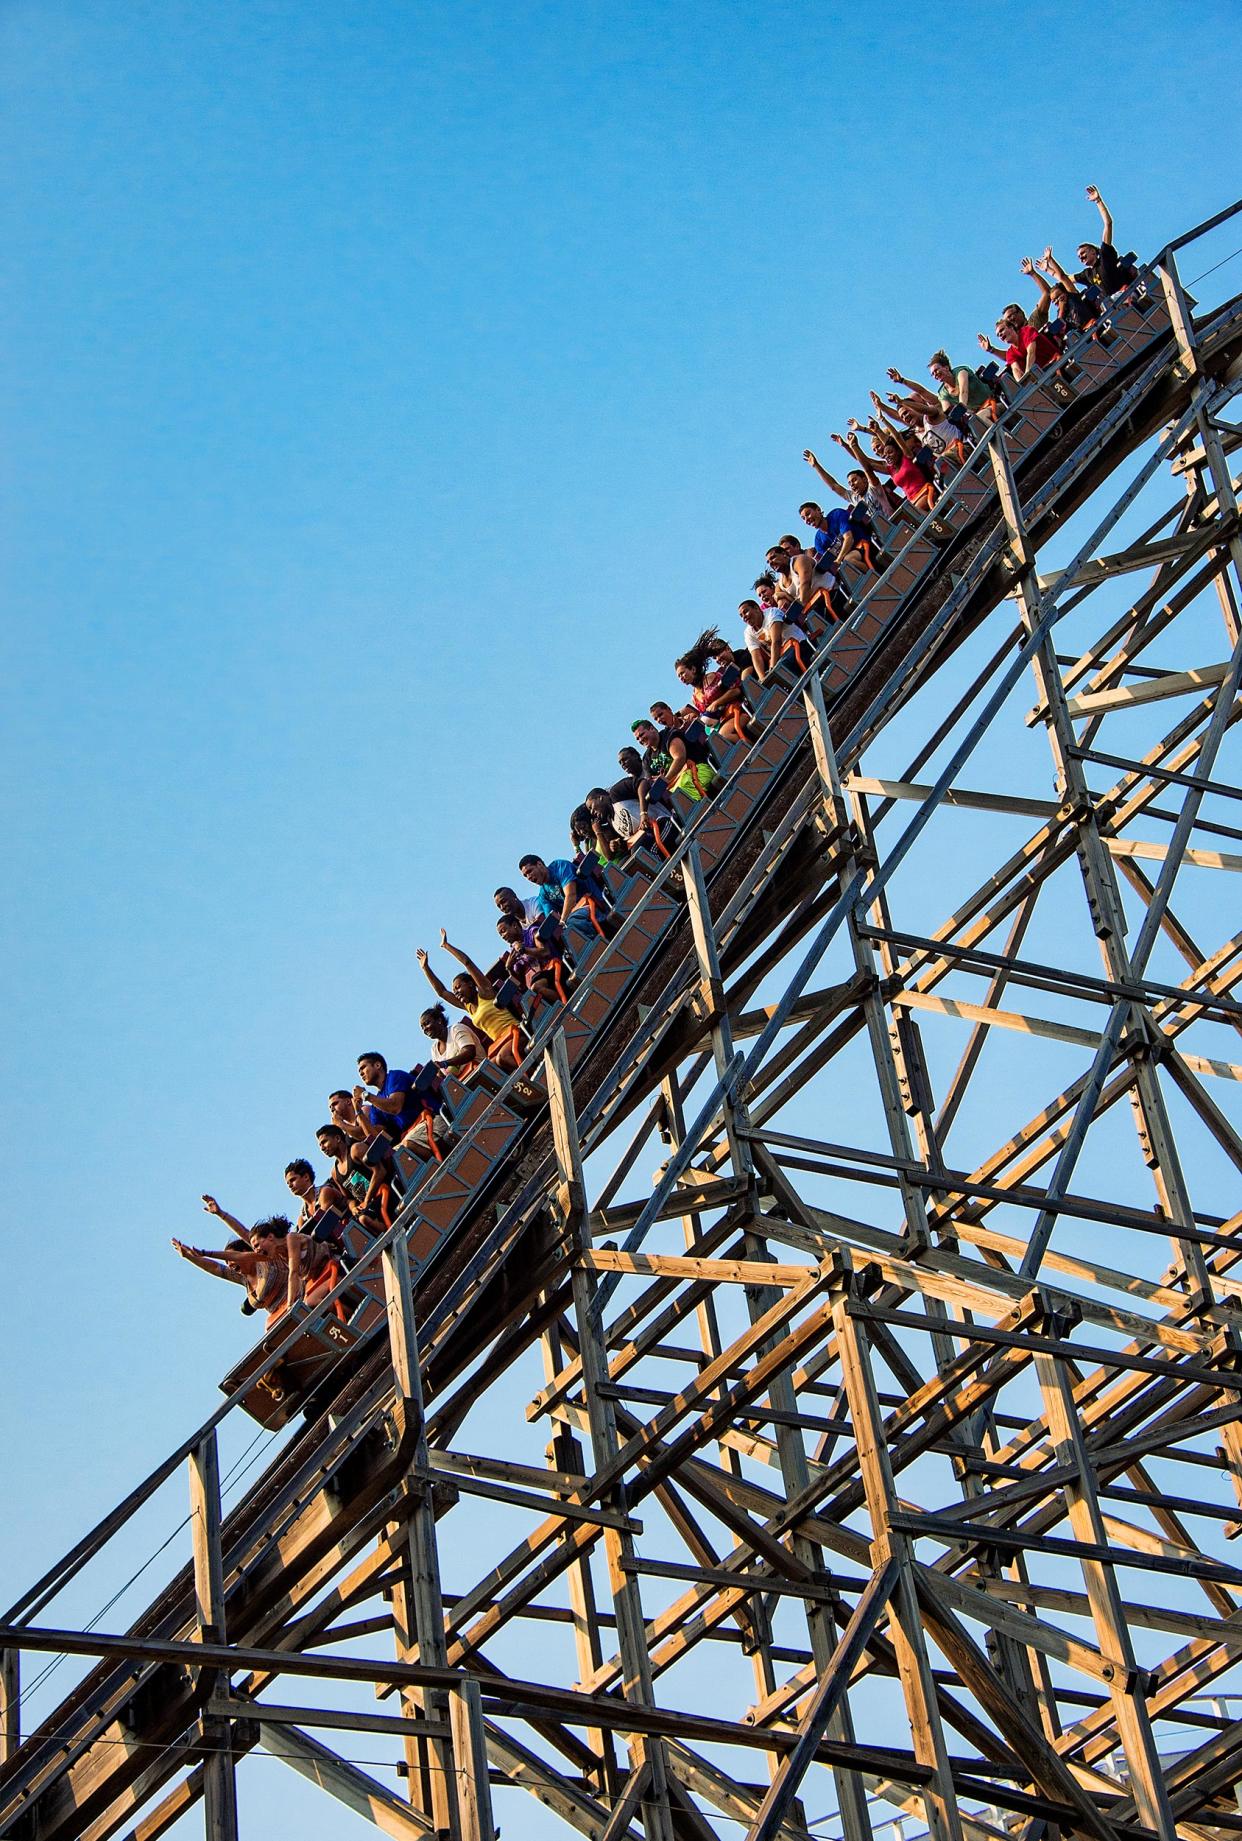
x,y
691,771
1073,308
1102,267
657,761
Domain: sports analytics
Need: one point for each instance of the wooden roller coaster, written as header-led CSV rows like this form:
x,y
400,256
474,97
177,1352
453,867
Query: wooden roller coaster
x,y
874,1456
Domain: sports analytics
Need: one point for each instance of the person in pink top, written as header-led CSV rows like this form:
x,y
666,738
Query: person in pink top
x,y
896,453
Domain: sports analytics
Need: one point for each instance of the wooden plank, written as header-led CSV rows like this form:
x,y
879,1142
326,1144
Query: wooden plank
x,y
346,1782
866,1614
1148,690
219,1779
470,1770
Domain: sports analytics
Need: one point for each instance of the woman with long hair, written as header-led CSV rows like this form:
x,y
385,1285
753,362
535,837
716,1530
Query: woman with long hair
x,y
716,693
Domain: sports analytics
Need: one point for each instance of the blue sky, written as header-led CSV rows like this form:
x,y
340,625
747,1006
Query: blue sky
x,y
388,394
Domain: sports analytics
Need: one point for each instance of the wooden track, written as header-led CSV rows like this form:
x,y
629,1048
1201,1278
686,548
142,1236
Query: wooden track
x,y
504,1250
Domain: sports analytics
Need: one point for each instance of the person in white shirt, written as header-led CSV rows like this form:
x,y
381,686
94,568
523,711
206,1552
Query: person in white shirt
x,y
457,1047
523,908
768,635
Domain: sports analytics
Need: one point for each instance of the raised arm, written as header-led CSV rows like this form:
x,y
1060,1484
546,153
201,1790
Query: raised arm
x,y
1058,274
929,404
1039,312
212,1207
1106,216
441,990
907,442
208,1262
854,447
897,408
833,485
481,979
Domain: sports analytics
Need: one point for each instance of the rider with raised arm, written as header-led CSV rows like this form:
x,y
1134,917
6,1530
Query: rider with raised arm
x,y
473,992
958,387
257,1259
1075,308
1102,267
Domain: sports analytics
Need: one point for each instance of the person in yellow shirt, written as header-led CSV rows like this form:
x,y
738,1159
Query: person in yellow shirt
x,y
472,991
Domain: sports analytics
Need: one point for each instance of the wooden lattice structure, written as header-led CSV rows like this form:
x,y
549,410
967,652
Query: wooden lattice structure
x,y
879,1454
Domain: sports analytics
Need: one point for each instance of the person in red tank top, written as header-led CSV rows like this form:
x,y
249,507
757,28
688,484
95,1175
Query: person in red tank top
x,y
1027,345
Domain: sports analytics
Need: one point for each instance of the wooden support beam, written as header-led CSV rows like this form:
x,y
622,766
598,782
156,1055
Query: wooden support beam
x,y
10,1703
1107,1606
831,1691
918,1686
350,1785
605,1443
417,1600
219,1779
472,1788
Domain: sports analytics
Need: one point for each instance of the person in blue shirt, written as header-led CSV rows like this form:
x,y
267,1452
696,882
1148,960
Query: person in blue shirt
x,y
840,535
564,895
394,1108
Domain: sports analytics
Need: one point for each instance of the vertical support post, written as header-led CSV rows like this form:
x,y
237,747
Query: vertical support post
x,y
418,1605
707,1320
565,1453
1108,915
905,1624
918,1233
712,987
474,1790
1146,1772
1218,465
10,1703
791,1455
637,1685
219,1778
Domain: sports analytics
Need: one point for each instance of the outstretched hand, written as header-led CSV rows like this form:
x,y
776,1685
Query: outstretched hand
x,y
984,341
1027,266
1047,257
444,936
840,441
894,373
810,458
1093,193
420,953
211,1206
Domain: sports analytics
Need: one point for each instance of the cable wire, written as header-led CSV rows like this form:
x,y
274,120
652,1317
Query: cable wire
x,y
233,1475
1213,269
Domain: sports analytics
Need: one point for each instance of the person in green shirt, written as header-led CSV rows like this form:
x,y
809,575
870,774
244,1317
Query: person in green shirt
x,y
958,384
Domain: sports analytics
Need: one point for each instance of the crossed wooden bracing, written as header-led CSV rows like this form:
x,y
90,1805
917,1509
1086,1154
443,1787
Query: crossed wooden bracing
x,y
828,1409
